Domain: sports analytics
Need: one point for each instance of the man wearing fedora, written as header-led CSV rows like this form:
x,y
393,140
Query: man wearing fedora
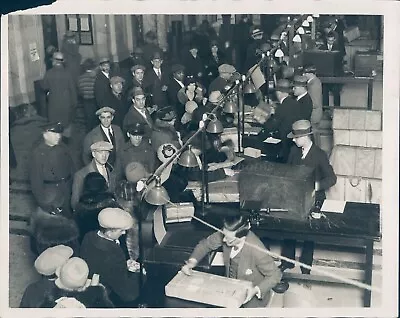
x,y
306,153
102,83
50,174
138,148
62,95
100,152
155,81
102,251
106,131
302,96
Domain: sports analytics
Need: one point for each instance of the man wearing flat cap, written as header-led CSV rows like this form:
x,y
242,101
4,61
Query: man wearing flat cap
x,y
306,153
102,83
50,174
106,131
100,151
155,81
62,95
138,149
138,112
136,76
302,96
46,265
104,256
226,72
164,129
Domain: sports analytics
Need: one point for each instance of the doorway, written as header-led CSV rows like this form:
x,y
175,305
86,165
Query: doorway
x,y
50,38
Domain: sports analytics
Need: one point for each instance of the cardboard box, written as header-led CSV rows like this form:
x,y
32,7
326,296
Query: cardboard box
x,y
340,118
341,137
374,139
358,138
179,212
357,119
208,289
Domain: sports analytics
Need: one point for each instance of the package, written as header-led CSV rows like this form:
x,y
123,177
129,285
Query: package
x,y
279,186
357,119
208,289
179,212
365,63
358,138
221,191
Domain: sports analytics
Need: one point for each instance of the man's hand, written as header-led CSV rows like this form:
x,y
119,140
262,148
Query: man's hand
x,y
251,292
164,88
187,268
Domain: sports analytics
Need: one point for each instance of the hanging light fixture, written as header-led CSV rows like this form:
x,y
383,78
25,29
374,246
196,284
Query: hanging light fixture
x,y
310,19
249,87
230,107
214,126
279,53
188,159
300,30
305,23
297,38
316,15
157,195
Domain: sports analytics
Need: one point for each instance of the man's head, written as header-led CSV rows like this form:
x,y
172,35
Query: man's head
x,y
330,38
135,171
52,258
257,33
101,151
215,97
72,275
138,72
235,229
309,71
301,133
226,71
58,58
178,71
299,85
157,60
193,49
117,84
282,89
214,47
216,26
138,98
106,116
114,222
52,133
166,116
105,65
88,65
135,134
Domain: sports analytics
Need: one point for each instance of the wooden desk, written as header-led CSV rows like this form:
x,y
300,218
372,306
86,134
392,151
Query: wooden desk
x,y
352,80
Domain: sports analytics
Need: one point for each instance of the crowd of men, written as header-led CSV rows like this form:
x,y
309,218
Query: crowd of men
x,y
137,118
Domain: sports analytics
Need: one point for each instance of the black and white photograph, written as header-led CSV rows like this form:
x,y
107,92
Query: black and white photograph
x,y
245,159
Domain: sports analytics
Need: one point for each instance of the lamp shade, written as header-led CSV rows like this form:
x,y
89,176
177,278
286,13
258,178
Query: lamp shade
x,y
297,38
230,107
249,88
315,15
310,19
215,127
300,30
157,195
279,53
188,159
305,23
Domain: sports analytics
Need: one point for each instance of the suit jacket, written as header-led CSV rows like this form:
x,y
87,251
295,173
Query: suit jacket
x,y
97,134
218,84
306,106
317,159
173,88
79,177
101,88
194,66
335,47
119,103
212,65
152,84
254,265
134,117
314,88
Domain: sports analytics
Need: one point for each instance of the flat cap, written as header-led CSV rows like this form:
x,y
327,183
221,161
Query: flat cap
x,y
52,258
300,80
215,97
116,79
115,218
73,274
136,129
136,91
55,127
104,60
166,113
226,68
177,68
138,67
105,110
256,32
58,56
283,85
101,145
135,171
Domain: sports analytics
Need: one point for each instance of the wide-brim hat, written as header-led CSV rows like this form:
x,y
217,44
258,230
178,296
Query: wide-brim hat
x,y
300,128
58,56
157,56
104,60
177,68
300,81
166,113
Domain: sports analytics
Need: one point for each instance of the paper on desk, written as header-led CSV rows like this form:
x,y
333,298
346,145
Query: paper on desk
x,y
334,206
225,164
272,140
158,225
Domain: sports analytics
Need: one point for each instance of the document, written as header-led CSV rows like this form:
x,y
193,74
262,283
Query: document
x,y
158,224
272,140
85,24
73,24
334,206
257,76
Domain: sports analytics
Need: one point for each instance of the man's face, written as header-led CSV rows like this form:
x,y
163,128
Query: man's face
x,y
105,67
300,141
52,138
230,239
214,49
115,234
298,90
140,101
180,75
330,40
138,74
157,63
116,87
106,119
135,139
191,87
225,75
101,156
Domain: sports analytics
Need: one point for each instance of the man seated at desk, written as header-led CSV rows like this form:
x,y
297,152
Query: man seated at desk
x,y
305,152
241,259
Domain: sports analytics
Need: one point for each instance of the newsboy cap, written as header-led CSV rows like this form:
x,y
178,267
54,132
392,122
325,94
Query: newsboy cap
x,y
73,274
136,91
300,80
177,68
101,145
138,67
104,60
55,127
52,258
226,68
105,110
115,218
136,129
116,79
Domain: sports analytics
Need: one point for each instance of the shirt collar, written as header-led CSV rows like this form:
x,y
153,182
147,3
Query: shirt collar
x,y
179,82
281,101
157,70
106,74
107,238
306,150
236,250
302,95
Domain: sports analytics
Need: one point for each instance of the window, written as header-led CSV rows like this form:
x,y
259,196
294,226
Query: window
x,y
81,25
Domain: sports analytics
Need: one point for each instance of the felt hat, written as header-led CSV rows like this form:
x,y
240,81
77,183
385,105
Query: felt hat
x,y
52,258
257,32
166,151
73,274
138,67
300,80
135,171
115,218
105,110
116,79
215,97
166,113
283,85
309,69
55,127
101,145
136,91
157,56
136,129
104,60
58,56
300,128
226,68
89,64
94,182
177,68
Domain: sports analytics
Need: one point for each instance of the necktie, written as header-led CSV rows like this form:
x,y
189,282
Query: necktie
x,y
159,73
111,136
104,173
